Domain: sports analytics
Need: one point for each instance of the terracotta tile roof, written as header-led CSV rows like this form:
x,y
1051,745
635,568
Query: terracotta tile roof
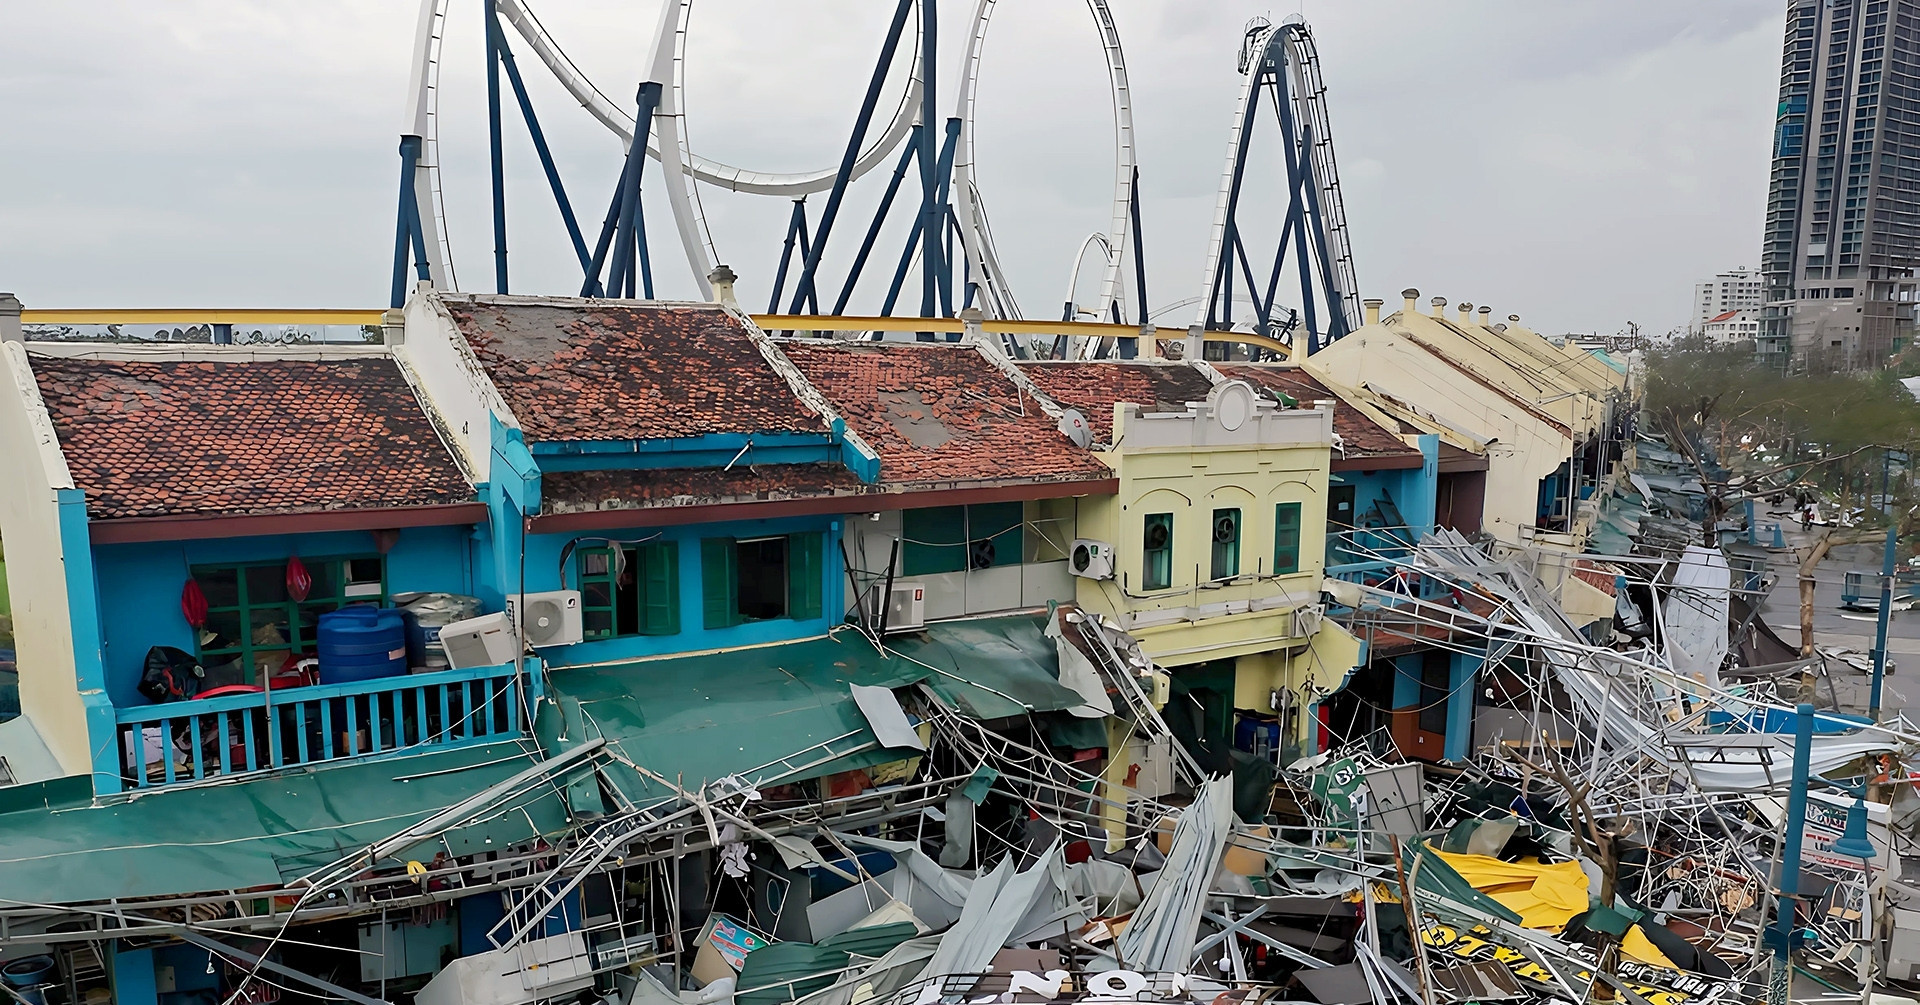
x,y
941,413
595,370
1363,436
582,491
1094,388
244,438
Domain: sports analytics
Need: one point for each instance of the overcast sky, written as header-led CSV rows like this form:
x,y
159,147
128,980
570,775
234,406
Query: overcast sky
x,y
1579,164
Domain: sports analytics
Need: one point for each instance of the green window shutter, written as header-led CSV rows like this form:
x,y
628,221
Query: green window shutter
x,y
1286,538
805,556
595,568
933,540
1226,543
719,605
659,579
1157,552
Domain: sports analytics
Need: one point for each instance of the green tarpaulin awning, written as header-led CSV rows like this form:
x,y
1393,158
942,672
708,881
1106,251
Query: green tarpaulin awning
x,y
785,708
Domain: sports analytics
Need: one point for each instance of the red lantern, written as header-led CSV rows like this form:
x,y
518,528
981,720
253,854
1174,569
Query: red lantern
x,y
299,581
193,604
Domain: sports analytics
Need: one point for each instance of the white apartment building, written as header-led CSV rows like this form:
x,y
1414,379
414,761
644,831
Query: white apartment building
x,y
1728,327
1734,290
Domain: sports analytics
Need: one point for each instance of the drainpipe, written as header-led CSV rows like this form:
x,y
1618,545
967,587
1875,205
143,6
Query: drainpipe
x,y
10,330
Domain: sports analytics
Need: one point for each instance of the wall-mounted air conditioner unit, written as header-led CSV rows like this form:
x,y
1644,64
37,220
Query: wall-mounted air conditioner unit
x,y
548,619
1091,559
485,641
1306,619
906,608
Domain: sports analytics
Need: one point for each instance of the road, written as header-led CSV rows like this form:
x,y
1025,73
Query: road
x,y
1833,626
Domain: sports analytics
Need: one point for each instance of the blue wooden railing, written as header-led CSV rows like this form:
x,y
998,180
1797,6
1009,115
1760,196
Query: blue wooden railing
x,y
187,741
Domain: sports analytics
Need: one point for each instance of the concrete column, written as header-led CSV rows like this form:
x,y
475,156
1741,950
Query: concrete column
x,y
10,330
1462,681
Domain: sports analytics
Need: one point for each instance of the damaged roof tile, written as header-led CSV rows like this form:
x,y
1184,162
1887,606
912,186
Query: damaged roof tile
x,y
598,370
1361,434
941,413
1094,388
244,438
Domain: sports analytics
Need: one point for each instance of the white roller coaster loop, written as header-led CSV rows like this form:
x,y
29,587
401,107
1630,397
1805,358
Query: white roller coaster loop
x,y
667,68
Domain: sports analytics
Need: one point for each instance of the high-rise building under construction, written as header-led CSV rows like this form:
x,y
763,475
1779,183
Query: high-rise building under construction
x,y
1843,209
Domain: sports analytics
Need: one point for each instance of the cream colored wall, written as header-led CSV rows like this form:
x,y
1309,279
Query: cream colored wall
x,y
36,570
1196,619
1525,448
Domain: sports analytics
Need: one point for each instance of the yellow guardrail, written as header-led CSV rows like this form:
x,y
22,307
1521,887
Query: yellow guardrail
x,y
193,316
767,322
1083,329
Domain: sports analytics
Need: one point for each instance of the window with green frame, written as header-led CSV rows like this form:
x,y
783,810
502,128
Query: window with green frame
x,y
628,590
1286,538
1156,552
761,579
958,538
254,622
1226,543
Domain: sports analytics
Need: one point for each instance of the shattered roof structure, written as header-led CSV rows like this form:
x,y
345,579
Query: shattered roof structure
x,y
599,370
244,437
942,414
1094,387
1365,442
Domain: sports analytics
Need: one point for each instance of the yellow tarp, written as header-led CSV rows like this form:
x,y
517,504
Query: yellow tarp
x,y
1544,896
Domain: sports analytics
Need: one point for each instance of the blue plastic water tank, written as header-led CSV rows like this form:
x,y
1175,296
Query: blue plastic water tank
x,y
361,643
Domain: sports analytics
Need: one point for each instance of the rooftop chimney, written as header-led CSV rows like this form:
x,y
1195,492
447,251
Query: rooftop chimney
x,y
1486,316
1440,308
972,318
10,319
393,326
722,279
1371,307
1514,320
1466,313
1412,298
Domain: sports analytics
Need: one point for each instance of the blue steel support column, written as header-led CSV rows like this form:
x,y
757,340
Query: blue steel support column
x,y
786,254
879,218
1780,935
625,232
1337,319
831,213
1223,274
944,169
1130,347
930,215
408,234
1295,211
540,147
1880,630
493,149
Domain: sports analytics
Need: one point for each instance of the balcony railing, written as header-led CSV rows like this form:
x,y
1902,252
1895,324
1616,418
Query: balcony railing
x,y
1373,556
187,741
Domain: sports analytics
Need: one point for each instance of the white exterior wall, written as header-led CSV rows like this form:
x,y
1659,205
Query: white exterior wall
x,y
1736,290
443,369
36,567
